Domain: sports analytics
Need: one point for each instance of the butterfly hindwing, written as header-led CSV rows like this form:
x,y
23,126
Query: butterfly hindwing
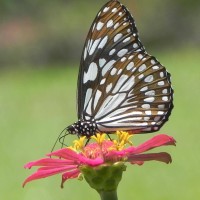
x,y
139,95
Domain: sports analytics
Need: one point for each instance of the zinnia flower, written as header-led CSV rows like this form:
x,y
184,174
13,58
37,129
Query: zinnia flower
x,y
102,162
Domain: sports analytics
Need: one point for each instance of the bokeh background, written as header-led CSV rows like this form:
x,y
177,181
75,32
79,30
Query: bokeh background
x,y
40,47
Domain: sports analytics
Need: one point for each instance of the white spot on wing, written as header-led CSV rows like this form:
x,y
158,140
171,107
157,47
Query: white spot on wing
x,y
148,112
145,106
164,91
112,52
99,26
103,81
119,72
153,62
106,9
113,71
102,61
155,67
160,112
128,85
140,56
123,59
120,83
130,57
126,40
122,52
117,37
94,46
89,108
116,25
109,104
135,45
110,23
89,44
87,96
108,88
148,79
99,13
149,99
130,66
160,83
97,97
114,10
142,68
161,74
107,67
91,74
165,98
144,89
103,42
146,118
150,93
85,53
162,106
141,76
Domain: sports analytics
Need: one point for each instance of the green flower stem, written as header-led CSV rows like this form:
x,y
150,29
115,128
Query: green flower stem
x,y
108,195
104,178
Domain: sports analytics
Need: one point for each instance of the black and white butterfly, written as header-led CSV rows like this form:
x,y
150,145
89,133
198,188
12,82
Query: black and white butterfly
x,y
120,86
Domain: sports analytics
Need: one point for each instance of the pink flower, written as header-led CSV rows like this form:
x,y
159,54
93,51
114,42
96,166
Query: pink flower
x,y
69,161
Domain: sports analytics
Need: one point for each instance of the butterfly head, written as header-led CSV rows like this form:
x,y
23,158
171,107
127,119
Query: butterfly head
x,y
83,128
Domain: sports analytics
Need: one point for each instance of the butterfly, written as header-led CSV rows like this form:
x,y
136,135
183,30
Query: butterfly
x,y
120,86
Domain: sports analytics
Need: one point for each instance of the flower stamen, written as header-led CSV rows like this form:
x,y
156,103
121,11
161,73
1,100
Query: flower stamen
x,y
79,144
99,138
123,138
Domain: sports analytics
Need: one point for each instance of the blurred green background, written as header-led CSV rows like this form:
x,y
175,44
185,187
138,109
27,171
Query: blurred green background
x,y
40,48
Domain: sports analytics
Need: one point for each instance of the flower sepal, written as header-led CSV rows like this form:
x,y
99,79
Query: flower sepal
x,y
104,177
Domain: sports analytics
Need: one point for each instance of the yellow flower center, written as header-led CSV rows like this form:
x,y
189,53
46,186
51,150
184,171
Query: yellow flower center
x,y
123,138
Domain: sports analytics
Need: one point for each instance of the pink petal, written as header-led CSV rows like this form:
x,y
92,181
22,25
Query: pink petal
x,y
158,140
137,162
69,175
53,167
49,162
45,173
91,162
77,158
162,157
115,155
65,153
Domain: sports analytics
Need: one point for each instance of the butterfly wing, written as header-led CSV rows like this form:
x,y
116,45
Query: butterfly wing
x,y
119,84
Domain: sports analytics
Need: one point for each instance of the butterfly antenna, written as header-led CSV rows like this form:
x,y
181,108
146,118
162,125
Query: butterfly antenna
x,y
58,139
61,140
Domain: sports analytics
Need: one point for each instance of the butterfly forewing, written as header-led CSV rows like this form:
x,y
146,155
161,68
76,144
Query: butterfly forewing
x,y
120,86
112,34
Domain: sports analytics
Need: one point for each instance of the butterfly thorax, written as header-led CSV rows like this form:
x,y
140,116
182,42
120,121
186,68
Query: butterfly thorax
x,y
83,128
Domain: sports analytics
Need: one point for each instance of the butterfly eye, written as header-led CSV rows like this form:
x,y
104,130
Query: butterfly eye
x,y
120,86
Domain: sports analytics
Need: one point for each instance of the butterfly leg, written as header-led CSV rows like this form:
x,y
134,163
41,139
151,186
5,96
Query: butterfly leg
x,y
109,137
87,142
